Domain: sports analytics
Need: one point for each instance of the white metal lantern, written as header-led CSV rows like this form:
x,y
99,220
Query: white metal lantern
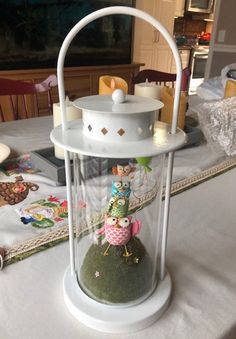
x,y
117,280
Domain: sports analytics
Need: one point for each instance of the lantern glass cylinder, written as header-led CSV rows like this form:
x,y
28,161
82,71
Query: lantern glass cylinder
x,y
118,222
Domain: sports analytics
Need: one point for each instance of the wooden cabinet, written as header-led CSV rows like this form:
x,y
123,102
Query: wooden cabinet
x,y
150,47
179,7
79,82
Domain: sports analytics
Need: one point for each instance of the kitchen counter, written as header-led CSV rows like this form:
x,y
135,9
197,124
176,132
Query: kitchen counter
x,y
188,47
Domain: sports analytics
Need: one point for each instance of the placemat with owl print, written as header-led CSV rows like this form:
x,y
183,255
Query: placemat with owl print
x,y
31,206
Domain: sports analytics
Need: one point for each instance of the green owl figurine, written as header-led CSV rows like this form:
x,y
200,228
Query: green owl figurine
x,y
145,163
118,207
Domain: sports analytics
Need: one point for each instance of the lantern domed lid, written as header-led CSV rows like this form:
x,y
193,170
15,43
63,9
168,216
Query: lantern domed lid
x,y
118,118
73,140
117,126
107,104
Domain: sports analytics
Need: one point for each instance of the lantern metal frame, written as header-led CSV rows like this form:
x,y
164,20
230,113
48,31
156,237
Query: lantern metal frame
x,y
92,313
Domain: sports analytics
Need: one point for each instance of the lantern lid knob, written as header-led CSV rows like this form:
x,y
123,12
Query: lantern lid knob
x,y
118,96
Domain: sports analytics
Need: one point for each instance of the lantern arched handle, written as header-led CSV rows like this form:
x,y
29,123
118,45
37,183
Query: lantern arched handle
x,y
126,11
60,67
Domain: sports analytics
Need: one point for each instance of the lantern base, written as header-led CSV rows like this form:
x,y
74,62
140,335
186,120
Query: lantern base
x,y
112,319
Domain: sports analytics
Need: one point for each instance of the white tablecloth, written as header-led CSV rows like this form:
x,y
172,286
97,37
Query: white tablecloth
x,y
201,259
23,136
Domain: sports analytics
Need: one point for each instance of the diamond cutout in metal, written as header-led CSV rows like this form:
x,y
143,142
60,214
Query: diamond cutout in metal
x,y
104,131
139,130
121,132
89,128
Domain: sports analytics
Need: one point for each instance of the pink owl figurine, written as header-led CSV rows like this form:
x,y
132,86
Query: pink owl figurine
x,y
118,232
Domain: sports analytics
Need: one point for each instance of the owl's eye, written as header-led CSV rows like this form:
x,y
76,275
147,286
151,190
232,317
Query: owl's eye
x,y
124,222
117,184
127,168
125,184
121,202
112,200
111,221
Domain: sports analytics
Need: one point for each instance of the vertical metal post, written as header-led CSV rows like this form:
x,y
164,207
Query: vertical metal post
x,y
70,211
166,213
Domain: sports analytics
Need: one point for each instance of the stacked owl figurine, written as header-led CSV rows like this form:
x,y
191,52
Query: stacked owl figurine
x,y
118,227
117,268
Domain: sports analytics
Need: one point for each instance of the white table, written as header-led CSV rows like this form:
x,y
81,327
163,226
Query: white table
x,y
25,135
201,260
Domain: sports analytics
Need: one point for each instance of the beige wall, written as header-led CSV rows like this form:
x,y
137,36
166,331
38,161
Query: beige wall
x,y
220,60
222,53
227,21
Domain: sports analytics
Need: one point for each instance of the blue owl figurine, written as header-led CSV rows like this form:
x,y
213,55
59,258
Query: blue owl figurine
x,y
120,189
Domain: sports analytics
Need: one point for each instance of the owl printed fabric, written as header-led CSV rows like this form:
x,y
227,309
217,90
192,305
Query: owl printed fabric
x,y
14,192
44,213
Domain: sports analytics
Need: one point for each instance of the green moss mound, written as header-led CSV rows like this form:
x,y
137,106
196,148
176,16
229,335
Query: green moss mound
x,y
115,278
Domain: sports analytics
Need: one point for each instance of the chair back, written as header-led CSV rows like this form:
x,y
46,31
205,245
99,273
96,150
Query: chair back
x,y
162,78
22,99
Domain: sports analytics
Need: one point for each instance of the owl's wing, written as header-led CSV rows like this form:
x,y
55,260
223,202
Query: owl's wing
x,y
127,193
100,231
110,204
135,227
147,168
114,170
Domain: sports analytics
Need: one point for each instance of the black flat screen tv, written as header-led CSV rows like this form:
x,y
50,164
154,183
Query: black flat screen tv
x,y
32,31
